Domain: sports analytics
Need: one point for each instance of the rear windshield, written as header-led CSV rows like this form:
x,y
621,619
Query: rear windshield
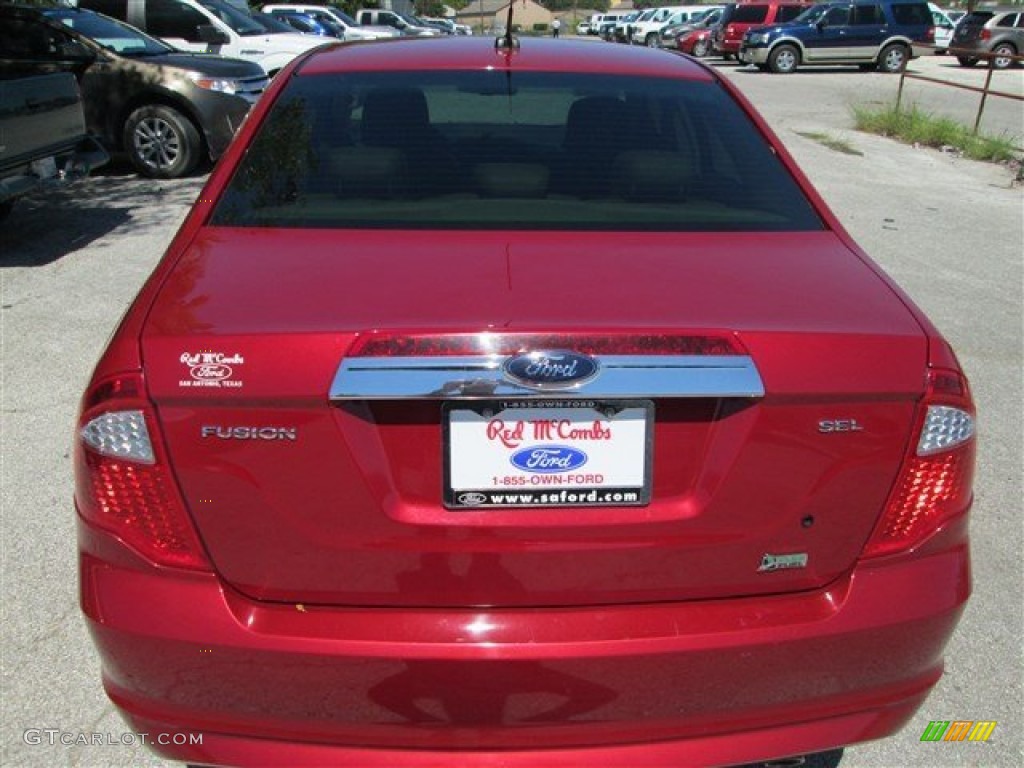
x,y
912,14
749,14
493,150
977,18
788,12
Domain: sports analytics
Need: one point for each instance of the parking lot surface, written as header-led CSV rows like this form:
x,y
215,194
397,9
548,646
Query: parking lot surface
x,y
950,231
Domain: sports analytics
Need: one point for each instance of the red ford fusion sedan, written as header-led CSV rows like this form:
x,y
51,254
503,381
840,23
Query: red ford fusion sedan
x,y
518,405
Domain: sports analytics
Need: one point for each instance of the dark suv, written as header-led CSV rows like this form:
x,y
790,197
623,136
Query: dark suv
x,y
168,110
999,31
737,18
883,34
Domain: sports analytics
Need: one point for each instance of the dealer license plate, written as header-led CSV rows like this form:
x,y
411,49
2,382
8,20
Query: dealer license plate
x,y
538,453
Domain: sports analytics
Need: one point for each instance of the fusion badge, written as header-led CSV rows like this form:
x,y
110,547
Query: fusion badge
x,y
249,433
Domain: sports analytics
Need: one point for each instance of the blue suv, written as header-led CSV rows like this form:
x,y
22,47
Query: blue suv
x,y
883,34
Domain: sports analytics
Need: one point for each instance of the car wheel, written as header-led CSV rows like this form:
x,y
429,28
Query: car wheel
x,y
652,40
967,61
1003,52
161,142
700,49
783,59
893,58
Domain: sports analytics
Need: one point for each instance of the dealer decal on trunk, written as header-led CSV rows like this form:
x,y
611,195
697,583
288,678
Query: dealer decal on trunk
x,y
211,369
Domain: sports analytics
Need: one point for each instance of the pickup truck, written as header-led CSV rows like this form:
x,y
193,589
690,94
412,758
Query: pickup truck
x,y
210,26
407,26
43,139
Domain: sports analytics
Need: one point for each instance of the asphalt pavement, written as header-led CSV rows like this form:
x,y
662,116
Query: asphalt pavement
x,y
950,231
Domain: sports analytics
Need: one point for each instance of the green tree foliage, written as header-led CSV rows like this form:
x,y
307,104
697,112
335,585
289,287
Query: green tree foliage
x,y
433,8
568,5
350,6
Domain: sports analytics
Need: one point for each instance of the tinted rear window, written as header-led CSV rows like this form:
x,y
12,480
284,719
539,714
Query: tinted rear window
x,y
789,12
749,14
116,8
868,15
489,150
977,19
912,14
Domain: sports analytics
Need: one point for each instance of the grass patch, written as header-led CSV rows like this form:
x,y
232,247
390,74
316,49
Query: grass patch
x,y
916,127
833,143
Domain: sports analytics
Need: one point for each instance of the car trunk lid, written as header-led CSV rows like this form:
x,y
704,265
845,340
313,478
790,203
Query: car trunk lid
x,y
305,491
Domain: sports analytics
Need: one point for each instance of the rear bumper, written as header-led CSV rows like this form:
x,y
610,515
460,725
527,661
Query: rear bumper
x,y
68,165
704,683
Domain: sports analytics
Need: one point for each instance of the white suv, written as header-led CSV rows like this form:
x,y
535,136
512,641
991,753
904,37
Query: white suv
x,y
646,29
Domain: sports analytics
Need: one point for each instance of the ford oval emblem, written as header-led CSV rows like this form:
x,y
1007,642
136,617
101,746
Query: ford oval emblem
x,y
556,369
211,372
548,459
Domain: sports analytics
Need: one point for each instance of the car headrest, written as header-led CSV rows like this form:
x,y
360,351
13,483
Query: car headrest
x,y
651,175
597,123
390,115
528,180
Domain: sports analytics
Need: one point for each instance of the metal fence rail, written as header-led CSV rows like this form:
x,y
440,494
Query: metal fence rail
x,y
985,90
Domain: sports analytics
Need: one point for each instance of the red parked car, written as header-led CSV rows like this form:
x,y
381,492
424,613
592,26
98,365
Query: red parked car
x,y
737,18
696,42
431,441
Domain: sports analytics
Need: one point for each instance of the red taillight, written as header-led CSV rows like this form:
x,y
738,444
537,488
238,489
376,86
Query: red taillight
x,y
504,344
929,36
935,482
122,480
986,34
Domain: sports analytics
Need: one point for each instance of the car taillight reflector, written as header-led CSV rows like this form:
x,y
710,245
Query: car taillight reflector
x,y
935,482
986,34
944,428
929,36
120,434
122,482
504,344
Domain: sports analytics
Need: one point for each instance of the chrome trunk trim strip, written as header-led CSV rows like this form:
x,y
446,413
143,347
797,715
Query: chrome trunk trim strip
x,y
481,378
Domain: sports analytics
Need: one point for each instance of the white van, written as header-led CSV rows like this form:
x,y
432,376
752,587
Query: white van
x,y
607,22
208,26
944,27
